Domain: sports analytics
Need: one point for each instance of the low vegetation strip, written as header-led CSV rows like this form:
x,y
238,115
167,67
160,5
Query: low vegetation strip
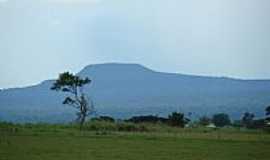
x,y
157,141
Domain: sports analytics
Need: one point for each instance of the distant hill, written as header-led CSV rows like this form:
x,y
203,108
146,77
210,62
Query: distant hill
x,y
124,90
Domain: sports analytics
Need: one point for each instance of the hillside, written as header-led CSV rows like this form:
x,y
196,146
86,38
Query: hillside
x,y
124,90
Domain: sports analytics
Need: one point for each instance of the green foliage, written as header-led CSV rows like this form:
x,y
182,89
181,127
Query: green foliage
x,y
221,120
267,111
115,127
258,124
204,121
103,118
177,120
247,119
72,84
237,123
67,82
147,119
6,127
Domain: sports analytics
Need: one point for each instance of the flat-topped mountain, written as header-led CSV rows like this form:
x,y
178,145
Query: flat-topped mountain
x,y
124,90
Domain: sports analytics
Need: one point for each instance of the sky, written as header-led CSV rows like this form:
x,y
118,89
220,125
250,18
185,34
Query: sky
x,y
41,38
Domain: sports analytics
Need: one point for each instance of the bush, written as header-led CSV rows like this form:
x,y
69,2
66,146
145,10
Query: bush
x,y
177,120
131,127
221,120
103,118
204,121
100,126
147,119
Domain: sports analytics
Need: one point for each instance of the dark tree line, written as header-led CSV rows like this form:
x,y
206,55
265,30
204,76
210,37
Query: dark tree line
x,y
247,120
148,119
175,119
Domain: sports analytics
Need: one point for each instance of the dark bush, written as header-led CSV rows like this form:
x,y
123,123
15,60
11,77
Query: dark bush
x,y
104,118
147,119
221,120
205,121
257,124
177,120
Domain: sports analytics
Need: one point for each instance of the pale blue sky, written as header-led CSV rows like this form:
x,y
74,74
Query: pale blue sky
x,y
40,38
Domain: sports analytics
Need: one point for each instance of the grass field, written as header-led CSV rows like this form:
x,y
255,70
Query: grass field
x,y
35,143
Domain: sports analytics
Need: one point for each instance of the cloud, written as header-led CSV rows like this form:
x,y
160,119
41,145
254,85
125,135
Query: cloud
x,y
75,1
3,1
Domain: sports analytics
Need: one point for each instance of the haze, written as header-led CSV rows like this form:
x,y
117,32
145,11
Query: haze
x,y
40,38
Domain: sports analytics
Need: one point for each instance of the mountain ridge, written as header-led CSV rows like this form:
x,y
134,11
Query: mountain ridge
x,y
124,90
146,68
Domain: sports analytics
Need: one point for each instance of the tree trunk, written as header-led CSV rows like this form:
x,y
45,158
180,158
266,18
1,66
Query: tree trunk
x,y
82,121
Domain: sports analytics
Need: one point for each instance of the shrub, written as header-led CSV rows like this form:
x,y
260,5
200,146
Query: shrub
x,y
177,120
205,121
147,119
103,118
221,120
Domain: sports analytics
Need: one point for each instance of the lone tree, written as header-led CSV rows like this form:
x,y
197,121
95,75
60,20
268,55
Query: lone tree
x,y
221,120
267,113
267,110
205,121
73,85
177,120
247,120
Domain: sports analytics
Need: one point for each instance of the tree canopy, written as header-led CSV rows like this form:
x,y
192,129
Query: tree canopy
x,y
177,119
247,119
72,84
221,119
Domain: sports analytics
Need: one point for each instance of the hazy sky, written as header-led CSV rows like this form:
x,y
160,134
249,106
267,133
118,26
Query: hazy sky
x,y
40,38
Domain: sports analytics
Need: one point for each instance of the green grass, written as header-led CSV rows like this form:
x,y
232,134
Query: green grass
x,y
59,142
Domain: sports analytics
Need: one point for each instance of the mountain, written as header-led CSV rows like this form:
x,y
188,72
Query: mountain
x,y
124,90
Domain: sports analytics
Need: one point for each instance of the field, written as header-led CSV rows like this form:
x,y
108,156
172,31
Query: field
x,y
44,142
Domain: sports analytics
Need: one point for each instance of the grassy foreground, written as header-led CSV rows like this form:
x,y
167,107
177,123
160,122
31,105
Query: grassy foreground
x,y
61,143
